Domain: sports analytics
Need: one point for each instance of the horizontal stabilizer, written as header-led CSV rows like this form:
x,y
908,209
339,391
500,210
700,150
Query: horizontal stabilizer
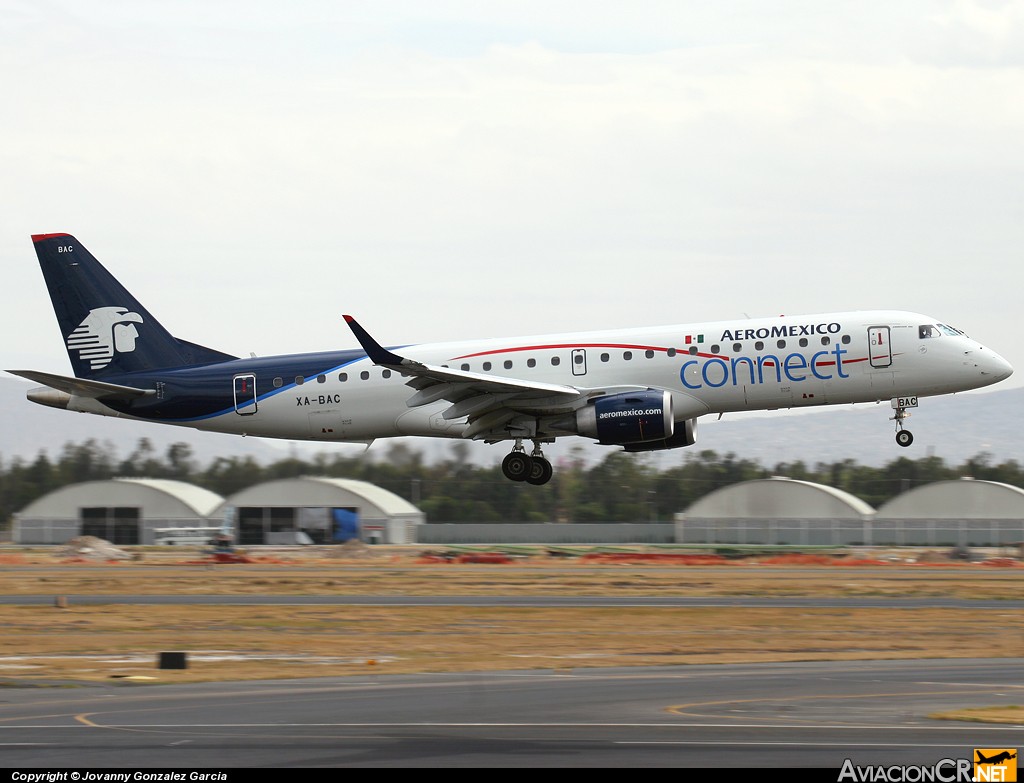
x,y
80,387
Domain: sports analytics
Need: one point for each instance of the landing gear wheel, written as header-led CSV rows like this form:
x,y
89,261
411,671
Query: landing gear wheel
x,y
904,438
517,466
540,472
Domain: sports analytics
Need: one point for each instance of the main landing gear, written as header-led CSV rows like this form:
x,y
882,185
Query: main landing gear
x,y
531,468
899,405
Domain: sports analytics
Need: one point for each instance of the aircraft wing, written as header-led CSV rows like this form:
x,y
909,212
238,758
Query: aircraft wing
x,y
489,402
80,387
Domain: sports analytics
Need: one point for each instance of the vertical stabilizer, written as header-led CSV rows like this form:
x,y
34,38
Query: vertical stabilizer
x,y
106,330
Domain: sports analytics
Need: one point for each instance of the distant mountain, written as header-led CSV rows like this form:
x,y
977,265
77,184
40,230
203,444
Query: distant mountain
x,y
955,428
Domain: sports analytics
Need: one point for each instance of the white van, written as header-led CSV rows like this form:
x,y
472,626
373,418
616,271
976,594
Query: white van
x,y
185,536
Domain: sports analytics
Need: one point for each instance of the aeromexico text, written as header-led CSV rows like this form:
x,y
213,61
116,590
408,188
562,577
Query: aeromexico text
x,y
796,330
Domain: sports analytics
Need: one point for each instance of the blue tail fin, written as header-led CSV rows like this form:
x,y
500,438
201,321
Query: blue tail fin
x,y
106,330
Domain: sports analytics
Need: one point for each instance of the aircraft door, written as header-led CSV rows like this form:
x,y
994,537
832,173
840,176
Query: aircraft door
x,y
579,361
245,395
879,346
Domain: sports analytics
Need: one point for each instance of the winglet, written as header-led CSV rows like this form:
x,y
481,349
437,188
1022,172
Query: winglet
x,y
377,353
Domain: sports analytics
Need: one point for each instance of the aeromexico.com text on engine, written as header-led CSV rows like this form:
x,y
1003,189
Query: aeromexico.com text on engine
x,y
616,414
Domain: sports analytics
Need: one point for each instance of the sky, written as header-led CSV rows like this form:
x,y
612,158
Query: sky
x,y
445,170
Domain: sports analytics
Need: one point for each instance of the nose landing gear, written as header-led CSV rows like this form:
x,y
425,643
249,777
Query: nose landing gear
x,y
531,468
899,405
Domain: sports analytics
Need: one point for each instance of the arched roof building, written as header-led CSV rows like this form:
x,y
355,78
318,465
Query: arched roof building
x,y
120,510
957,499
779,497
322,508
962,512
775,511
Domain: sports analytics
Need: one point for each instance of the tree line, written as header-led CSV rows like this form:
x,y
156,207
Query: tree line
x,y
620,488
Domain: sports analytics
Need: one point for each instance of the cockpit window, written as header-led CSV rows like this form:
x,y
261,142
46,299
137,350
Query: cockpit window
x,y
928,330
952,332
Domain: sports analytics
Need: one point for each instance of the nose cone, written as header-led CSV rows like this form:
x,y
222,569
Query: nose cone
x,y
993,366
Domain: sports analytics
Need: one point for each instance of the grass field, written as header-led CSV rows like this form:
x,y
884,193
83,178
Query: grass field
x,y
66,642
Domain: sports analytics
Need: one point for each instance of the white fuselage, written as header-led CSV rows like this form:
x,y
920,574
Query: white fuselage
x,y
709,368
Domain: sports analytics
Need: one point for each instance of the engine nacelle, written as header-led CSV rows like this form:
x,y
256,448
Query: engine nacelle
x,y
630,417
685,435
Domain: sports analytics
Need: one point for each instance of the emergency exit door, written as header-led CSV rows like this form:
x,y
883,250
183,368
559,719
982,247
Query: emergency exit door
x,y
245,395
879,346
579,361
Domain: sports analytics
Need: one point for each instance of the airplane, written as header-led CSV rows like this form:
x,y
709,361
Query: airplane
x,y
1004,756
642,389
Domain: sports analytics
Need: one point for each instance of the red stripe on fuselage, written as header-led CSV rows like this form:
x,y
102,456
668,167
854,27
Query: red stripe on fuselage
x,y
680,352
569,346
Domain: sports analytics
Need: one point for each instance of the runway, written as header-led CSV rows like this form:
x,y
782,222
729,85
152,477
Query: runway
x,y
776,715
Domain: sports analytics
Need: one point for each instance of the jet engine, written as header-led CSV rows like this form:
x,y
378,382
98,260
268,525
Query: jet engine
x,y
685,435
630,417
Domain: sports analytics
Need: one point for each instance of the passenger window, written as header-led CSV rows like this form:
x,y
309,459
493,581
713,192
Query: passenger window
x,y
736,347
803,342
605,357
781,343
531,362
278,383
555,361
693,350
627,355
649,354
299,380
386,374
487,366
670,352
578,358
825,341
715,348
364,375
343,377
464,368
508,364
759,346
321,379
846,339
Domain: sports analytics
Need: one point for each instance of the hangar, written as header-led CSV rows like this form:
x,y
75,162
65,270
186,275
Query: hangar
x,y
960,512
321,510
120,510
775,511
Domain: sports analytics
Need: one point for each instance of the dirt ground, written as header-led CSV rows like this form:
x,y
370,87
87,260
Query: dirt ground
x,y
62,642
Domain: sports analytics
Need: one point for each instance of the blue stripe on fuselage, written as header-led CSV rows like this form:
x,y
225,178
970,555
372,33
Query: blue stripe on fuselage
x,y
199,393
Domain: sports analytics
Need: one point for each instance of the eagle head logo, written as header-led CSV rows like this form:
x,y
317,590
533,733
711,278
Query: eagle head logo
x,y
104,332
